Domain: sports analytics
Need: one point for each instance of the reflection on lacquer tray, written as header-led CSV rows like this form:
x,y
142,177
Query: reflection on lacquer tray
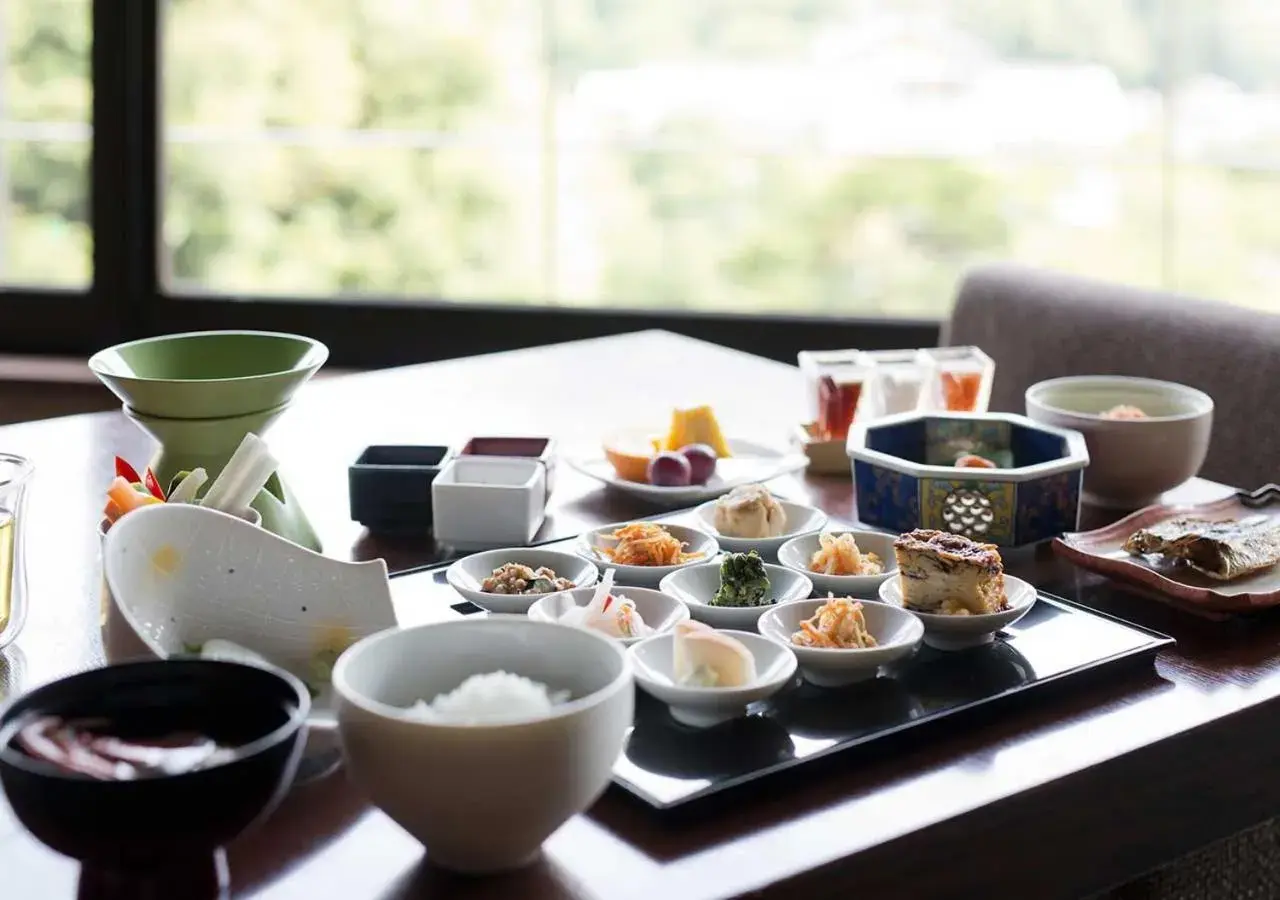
x,y
937,679
845,713
660,746
1055,649
543,879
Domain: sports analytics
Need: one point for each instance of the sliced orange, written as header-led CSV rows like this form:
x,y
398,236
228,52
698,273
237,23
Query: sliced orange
x,y
629,453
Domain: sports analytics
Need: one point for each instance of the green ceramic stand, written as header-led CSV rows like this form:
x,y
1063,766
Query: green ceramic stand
x,y
208,444
200,393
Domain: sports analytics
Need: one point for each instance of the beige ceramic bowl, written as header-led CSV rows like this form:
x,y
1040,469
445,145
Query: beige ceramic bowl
x,y
483,798
1131,461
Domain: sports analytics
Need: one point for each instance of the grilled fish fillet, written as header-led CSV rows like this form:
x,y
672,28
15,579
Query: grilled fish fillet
x,y
1222,550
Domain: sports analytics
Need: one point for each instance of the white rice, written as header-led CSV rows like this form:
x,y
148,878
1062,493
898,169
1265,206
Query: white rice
x,y
490,699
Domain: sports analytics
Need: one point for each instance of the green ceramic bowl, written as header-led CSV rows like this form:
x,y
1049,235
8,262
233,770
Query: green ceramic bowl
x,y
208,374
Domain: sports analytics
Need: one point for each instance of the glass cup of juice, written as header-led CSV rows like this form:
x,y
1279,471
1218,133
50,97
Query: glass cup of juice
x,y
836,382
961,378
15,475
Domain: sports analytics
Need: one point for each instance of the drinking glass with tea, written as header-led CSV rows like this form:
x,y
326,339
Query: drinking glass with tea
x,y
836,381
812,364
15,475
961,378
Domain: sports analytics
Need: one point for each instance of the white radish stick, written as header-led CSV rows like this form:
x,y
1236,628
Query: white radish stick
x,y
254,481
243,476
596,606
229,482
583,615
186,490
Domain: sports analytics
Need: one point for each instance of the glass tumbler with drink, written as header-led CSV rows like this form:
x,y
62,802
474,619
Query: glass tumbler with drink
x,y
961,378
836,382
15,475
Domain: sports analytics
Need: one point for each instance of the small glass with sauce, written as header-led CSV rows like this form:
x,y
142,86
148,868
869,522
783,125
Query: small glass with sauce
x,y
835,381
15,475
960,377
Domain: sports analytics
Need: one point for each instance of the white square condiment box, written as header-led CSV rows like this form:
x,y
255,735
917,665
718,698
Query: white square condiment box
x,y
481,502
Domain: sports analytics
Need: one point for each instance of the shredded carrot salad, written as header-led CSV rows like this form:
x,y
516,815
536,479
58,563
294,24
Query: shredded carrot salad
x,y
837,624
646,544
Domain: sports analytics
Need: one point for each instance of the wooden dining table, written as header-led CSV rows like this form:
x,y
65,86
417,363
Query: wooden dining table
x,y
1062,798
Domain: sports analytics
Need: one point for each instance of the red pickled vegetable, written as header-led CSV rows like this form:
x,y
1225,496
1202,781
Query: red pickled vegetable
x,y
127,472
153,486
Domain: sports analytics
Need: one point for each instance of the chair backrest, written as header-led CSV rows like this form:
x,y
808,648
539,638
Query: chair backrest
x,y
1039,325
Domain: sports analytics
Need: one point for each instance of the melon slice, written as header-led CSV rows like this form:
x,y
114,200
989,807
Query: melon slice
x,y
696,426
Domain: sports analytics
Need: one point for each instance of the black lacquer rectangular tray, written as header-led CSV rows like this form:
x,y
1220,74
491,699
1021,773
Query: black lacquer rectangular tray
x,y
670,766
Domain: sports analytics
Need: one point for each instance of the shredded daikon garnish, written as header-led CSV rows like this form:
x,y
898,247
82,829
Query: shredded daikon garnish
x,y
838,554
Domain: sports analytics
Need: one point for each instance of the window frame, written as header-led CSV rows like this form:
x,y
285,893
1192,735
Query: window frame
x,y
127,299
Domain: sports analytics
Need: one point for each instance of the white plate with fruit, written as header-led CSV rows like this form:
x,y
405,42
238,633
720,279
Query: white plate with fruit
x,y
691,463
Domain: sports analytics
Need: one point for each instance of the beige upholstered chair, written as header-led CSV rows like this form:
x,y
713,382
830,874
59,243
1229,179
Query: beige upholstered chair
x,y
1039,325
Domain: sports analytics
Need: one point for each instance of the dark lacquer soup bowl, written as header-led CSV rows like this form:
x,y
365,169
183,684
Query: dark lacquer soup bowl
x,y
146,764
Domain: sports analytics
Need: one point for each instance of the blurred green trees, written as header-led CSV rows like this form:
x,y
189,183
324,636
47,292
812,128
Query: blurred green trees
x,y
45,47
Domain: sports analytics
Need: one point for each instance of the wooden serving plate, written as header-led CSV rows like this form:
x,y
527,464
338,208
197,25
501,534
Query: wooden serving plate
x,y
1102,551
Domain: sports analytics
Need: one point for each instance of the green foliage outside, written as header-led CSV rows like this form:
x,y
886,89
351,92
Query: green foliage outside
x,y
424,149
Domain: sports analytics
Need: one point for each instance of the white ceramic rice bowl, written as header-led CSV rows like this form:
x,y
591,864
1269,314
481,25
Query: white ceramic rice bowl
x,y
483,798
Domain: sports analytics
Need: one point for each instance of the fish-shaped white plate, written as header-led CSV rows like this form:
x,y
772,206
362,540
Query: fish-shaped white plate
x,y
182,575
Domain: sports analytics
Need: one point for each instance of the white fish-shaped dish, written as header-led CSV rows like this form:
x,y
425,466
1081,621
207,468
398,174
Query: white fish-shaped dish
x,y
182,575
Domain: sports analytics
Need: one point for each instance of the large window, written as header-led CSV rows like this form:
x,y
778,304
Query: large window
x,y
45,238
393,170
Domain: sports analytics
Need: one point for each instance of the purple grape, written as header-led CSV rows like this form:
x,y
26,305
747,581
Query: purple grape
x,y
702,462
669,470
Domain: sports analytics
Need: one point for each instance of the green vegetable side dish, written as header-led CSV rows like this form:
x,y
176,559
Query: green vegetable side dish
x,y
743,581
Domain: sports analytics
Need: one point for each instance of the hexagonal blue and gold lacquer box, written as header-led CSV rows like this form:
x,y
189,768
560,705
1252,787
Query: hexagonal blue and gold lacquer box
x,y
905,476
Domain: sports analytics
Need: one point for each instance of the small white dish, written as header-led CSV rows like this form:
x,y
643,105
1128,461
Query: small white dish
x,y
796,553
962,632
483,797
897,632
481,501
749,463
696,585
659,611
801,520
466,575
695,541
702,707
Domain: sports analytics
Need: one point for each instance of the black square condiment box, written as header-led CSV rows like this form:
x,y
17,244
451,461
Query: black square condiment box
x,y
390,486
